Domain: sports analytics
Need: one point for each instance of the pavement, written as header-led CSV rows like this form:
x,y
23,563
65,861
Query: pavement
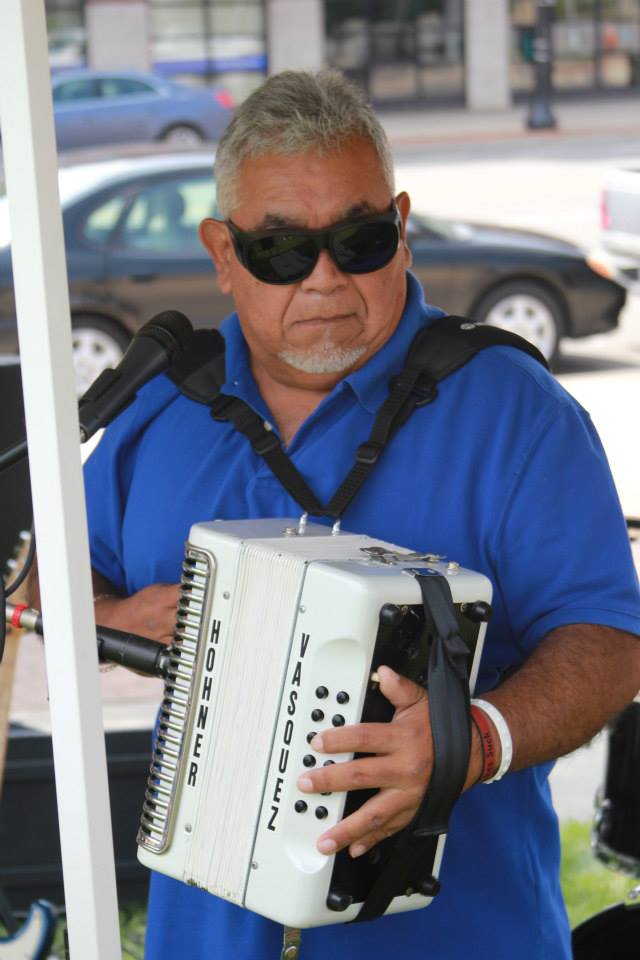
x,y
476,166
574,119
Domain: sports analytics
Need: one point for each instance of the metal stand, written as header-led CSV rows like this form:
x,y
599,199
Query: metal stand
x,y
540,115
44,328
291,944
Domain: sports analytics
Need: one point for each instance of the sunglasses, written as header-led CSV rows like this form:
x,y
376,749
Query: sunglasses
x,y
288,255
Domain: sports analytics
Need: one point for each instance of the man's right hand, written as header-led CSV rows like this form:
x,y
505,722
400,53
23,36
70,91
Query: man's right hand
x,y
149,613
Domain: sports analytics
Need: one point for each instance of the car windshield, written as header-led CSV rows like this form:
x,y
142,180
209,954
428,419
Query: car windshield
x,y
73,183
444,229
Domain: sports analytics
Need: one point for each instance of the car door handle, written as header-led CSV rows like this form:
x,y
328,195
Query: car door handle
x,y
144,277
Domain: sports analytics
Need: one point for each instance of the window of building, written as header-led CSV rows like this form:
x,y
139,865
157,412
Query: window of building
x,y
66,33
410,50
213,42
596,44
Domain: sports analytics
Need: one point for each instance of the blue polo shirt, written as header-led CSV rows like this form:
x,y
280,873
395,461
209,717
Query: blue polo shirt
x,y
503,473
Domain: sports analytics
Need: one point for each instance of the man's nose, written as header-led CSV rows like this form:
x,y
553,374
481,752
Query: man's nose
x,y
326,277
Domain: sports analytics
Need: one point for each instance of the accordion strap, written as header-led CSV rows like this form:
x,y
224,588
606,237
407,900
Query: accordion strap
x,y
436,351
448,688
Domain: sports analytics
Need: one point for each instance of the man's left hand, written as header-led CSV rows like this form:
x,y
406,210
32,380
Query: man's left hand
x,y
400,768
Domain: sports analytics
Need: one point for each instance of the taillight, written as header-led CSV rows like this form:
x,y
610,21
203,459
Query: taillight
x,y
605,216
224,98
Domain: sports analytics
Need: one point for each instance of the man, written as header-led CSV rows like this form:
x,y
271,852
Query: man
x,y
502,473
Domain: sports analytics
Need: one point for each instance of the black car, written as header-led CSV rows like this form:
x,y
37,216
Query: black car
x,y
132,248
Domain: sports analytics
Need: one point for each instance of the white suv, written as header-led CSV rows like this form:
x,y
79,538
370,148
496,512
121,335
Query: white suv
x,y
620,219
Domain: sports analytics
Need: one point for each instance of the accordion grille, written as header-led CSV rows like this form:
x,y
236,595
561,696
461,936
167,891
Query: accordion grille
x,y
173,722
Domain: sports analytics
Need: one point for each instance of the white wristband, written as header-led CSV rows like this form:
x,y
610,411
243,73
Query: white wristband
x,y
506,746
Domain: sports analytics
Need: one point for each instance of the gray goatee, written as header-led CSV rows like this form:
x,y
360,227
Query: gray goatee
x,y
324,357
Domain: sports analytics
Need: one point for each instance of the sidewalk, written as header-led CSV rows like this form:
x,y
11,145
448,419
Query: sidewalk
x,y
613,115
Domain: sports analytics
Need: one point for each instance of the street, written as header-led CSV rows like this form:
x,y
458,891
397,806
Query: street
x,y
550,187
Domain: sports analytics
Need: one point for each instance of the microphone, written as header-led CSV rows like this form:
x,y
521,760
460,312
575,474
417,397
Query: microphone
x,y
114,646
150,352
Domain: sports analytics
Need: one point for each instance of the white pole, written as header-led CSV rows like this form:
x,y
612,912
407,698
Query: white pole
x,y
56,481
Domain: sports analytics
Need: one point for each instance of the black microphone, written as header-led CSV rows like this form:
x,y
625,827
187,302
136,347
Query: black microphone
x,y
114,646
150,352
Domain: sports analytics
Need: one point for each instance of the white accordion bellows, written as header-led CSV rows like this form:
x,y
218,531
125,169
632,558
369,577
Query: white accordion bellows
x,y
274,641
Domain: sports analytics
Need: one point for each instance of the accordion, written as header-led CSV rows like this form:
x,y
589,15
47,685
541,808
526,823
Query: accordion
x,y
280,629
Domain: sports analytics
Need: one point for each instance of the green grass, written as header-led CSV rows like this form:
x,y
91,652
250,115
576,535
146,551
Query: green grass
x,y
588,885
588,888
133,918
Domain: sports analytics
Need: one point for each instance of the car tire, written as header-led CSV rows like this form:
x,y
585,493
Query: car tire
x,y
98,343
183,135
527,308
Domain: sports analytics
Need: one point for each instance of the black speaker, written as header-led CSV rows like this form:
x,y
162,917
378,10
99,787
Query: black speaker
x,y
15,490
30,861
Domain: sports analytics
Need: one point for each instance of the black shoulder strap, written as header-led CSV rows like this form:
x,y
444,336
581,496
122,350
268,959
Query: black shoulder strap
x,y
436,352
199,371
450,342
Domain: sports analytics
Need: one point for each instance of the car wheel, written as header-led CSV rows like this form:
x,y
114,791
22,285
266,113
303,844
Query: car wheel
x,y
182,135
98,343
528,309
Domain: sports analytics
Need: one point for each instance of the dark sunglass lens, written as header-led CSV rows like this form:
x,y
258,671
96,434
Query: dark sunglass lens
x,y
365,247
281,258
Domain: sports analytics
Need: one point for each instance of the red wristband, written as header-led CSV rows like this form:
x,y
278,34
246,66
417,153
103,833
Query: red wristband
x,y
489,757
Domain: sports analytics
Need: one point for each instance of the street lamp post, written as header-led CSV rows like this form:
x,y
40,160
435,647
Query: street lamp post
x,y
540,115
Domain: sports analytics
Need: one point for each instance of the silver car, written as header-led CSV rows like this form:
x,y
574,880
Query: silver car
x,y
94,107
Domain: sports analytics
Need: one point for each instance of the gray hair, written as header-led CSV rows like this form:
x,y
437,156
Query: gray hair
x,y
291,113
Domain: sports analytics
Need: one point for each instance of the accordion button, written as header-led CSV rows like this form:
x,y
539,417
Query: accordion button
x,y
339,901
338,720
309,761
317,714
321,813
328,763
342,697
300,806
310,736
321,693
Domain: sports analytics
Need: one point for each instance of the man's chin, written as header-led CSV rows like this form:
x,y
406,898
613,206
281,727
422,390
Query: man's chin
x,y
322,358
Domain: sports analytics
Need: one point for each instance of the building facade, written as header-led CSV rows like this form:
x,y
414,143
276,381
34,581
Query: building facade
x,y
478,52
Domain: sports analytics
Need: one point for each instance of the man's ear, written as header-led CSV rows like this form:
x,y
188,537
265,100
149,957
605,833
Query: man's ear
x,y
215,237
403,203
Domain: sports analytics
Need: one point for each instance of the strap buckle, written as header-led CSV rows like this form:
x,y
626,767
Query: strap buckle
x,y
368,452
265,443
218,405
425,391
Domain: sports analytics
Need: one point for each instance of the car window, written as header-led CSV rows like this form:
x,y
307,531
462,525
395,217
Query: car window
x,y
74,90
123,86
164,217
102,220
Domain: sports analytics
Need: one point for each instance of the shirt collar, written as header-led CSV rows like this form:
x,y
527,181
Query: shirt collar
x,y
370,383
